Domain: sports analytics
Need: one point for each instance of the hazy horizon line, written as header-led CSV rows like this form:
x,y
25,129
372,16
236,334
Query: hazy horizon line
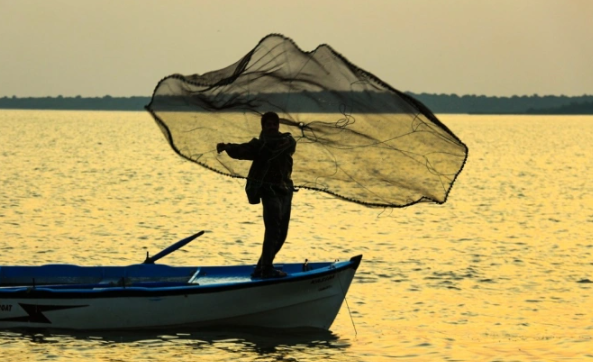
x,y
407,92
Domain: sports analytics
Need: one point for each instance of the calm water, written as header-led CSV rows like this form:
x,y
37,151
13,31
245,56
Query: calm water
x,y
501,272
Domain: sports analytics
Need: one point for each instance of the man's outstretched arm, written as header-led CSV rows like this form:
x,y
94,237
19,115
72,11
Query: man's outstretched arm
x,y
241,151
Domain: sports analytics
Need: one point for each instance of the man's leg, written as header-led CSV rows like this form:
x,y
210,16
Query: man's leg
x,y
272,209
286,206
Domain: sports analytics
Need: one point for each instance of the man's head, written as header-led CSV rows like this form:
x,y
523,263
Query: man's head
x,y
270,122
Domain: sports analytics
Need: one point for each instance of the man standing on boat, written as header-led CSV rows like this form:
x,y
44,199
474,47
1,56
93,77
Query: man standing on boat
x,y
269,180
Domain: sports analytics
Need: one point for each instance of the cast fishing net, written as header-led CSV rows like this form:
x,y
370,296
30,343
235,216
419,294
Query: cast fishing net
x,y
357,138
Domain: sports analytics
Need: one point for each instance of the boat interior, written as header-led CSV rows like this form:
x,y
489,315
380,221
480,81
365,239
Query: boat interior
x,y
67,276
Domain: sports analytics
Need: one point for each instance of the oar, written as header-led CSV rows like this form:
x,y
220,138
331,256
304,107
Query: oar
x,y
170,249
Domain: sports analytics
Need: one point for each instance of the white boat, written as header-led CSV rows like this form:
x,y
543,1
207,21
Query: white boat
x,y
149,295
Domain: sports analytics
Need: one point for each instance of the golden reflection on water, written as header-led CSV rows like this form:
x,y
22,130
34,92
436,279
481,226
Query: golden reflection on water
x,y
499,272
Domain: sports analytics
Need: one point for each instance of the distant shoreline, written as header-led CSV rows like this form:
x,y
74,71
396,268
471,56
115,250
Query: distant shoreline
x,y
438,103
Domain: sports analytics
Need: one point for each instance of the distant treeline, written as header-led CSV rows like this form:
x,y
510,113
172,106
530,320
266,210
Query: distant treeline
x,y
438,103
106,103
443,103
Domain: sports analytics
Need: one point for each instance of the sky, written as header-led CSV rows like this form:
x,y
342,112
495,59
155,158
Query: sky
x,y
123,48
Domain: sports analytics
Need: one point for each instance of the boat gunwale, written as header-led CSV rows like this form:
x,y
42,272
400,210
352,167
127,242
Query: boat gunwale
x,y
38,292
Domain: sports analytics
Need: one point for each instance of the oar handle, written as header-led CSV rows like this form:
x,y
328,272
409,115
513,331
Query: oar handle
x,y
170,249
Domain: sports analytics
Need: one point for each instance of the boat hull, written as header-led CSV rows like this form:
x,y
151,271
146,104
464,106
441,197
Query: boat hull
x,y
304,299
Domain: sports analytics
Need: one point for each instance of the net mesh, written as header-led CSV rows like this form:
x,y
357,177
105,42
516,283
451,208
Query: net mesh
x,y
358,138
